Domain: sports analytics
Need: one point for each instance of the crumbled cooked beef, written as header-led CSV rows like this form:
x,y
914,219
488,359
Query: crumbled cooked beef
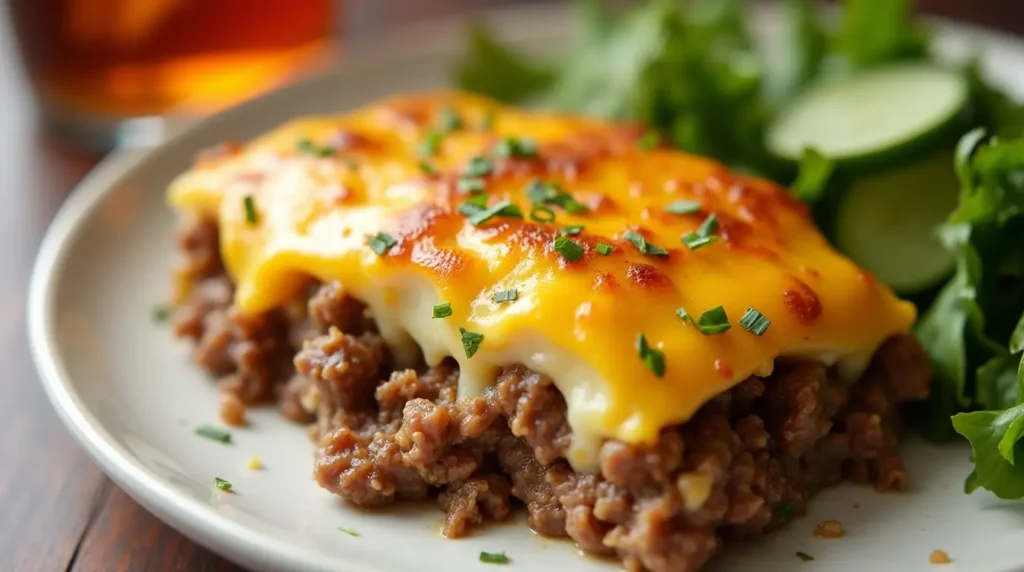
x,y
743,465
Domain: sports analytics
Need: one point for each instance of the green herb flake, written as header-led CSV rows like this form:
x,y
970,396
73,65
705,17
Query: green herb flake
x,y
513,148
349,531
428,169
804,556
567,248
540,192
493,557
509,295
693,241
430,144
642,245
222,484
473,205
249,204
649,140
382,242
478,167
161,313
683,207
572,230
653,359
603,249
754,322
449,120
713,321
708,226
470,341
541,213
306,146
704,235
214,434
351,163
441,310
505,208
470,185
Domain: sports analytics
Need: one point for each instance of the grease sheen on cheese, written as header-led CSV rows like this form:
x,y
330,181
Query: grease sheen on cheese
x,y
576,321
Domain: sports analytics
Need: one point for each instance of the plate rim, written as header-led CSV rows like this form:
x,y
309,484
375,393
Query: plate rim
x,y
190,516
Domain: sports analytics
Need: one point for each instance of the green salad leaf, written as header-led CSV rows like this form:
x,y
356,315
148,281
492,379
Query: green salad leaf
x,y
491,69
874,32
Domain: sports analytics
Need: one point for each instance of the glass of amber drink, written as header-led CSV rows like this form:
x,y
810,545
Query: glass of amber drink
x,y
109,71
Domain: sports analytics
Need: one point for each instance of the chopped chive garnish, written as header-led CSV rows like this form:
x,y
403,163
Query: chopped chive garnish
x,y
653,359
516,148
704,235
568,249
449,120
505,208
161,313
708,226
473,205
304,145
572,229
541,213
441,310
471,185
493,557
428,169
603,249
222,484
429,146
351,163
649,140
683,207
573,207
540,192
713,321
478,167
643,246
214,434
693,241
505,295
382,242
754,322
804,556
250,210
470,341
349,531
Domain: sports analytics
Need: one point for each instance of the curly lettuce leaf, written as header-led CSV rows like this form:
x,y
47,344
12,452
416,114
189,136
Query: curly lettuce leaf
x,y
996,442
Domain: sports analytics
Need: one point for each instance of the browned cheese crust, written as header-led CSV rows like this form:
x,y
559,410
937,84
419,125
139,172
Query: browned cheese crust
x,y
745,464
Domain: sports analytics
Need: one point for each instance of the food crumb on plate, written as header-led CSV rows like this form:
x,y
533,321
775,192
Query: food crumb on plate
x,y
254,463
804,556
939,557
829,529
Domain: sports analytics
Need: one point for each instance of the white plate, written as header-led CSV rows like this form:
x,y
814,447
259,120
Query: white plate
x,y
131,397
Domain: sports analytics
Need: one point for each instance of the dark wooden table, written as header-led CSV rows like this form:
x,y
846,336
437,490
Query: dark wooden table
x,y
57,510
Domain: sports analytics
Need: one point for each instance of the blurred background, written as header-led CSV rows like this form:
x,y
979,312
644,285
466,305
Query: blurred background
x,y
106,72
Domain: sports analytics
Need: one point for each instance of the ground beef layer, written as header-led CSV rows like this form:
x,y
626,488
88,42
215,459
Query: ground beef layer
x,y
746,463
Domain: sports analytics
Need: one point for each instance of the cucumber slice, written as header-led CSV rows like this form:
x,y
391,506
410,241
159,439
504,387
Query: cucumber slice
x,y
873,114
887,223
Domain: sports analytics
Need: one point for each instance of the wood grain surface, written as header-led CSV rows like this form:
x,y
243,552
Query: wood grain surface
x,y
57,510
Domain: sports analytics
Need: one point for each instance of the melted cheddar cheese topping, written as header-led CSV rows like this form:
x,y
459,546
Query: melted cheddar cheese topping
x,y
308,199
